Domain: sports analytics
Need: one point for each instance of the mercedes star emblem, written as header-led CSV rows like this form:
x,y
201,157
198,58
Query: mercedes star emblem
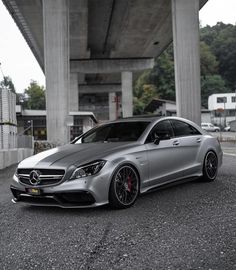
x,y
34,177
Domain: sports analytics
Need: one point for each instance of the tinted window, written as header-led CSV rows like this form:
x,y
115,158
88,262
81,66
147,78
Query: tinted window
x,y
183,129
163,130
115,132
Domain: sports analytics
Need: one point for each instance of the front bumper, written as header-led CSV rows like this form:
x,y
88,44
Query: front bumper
x,y
61,199
90,191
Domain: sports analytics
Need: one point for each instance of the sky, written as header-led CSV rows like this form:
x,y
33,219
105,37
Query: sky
x,y
18,62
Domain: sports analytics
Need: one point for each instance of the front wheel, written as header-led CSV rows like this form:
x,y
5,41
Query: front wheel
x,y
124,187
210,166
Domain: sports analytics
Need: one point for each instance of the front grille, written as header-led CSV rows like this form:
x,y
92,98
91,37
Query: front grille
x,y
46,176
79,198
38,200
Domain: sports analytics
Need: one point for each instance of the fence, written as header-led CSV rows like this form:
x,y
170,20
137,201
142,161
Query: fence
x,y
25,141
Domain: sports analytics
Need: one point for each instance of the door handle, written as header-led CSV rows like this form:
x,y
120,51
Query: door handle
x,y
198,140
175,142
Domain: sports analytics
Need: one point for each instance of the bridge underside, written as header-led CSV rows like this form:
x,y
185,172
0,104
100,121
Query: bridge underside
x,y
90,44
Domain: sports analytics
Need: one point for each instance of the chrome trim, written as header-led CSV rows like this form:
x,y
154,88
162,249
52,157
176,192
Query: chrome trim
x,y
23,175
51,177
37,196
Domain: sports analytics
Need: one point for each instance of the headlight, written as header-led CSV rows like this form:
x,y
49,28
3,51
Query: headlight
x,y
89,169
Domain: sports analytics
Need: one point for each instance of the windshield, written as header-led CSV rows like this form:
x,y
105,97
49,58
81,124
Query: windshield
x,y
114,132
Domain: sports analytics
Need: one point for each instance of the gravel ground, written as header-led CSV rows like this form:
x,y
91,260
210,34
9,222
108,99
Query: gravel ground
x,y
189,226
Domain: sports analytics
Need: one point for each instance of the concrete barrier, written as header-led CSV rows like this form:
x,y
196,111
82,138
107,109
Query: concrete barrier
x,y
9,157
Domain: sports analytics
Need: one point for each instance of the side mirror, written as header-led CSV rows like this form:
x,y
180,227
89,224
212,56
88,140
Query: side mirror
x,y
162,138
157,140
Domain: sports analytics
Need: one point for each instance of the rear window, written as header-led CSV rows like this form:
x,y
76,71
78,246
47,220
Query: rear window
x,y
182,129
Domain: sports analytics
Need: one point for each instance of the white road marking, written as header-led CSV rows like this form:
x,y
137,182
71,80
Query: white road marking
x,y
229,154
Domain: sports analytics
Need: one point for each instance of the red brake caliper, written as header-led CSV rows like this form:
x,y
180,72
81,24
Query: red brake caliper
x,y
129,183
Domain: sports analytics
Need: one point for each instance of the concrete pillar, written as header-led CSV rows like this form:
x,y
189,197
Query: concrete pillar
x,y
185,22
127,93
112,106
56,60
74,93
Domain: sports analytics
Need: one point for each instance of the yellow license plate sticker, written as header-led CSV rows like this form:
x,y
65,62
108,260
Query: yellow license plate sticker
x,y
33,191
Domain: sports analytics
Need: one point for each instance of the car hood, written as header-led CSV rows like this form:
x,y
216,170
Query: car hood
x,y
73,154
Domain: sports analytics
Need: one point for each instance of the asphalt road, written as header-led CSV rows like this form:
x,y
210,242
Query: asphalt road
x,y
189,226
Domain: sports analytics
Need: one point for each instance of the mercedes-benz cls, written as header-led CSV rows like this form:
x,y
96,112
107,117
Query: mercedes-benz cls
x,y
115,162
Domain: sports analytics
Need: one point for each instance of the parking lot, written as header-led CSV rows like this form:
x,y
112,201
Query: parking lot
x,y
189,226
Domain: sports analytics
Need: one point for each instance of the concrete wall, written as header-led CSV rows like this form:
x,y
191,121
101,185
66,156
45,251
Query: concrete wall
x,y
9,157
206,117
232,125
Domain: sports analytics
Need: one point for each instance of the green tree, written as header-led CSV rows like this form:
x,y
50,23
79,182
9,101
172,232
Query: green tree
x,y
222,40
34,97
20,99
7,82
162,74
209,64
211,84
148,92
157,82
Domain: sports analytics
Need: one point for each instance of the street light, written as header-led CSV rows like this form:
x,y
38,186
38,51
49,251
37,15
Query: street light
x,y
32,127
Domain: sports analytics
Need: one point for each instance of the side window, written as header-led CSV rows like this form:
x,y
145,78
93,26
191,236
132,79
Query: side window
x,y
183,129
163,130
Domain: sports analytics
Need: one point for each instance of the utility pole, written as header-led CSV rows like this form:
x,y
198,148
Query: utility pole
x,y
32,127
225,100
235,103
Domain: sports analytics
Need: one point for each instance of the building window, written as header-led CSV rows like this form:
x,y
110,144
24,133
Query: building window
x,y
221,99
233,99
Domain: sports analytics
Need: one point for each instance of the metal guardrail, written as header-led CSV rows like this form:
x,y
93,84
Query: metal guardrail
x,y
225,136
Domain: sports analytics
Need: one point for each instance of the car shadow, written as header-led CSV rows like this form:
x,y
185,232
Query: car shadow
x,y
157,195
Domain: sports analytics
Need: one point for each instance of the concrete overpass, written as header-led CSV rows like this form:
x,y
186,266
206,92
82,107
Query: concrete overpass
x,y
89,43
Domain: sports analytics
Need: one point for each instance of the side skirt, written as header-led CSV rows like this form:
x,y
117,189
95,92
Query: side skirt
x,y
170,184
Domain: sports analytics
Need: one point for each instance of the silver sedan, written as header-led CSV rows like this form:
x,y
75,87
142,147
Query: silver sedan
x,y
115,162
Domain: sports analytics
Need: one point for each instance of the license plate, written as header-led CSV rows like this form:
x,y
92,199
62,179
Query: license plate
x,y
33,191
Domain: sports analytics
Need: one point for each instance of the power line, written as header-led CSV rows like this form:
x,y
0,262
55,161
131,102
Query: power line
x,y
2,71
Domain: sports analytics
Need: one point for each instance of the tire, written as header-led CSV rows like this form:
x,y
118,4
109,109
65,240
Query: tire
x,y
124,188
210,167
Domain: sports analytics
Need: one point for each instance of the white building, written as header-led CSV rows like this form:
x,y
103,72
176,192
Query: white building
x,y
223,108
8,122
34,121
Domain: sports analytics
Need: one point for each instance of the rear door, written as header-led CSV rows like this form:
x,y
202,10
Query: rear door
x,y
188,141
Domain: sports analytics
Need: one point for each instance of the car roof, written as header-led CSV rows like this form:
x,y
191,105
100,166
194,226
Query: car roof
x,y
151,118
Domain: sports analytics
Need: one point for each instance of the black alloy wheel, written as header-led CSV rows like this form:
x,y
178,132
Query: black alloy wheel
x,y
210,166
124,187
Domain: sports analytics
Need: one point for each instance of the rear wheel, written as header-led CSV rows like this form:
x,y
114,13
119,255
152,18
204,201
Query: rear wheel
x,y
124,187
210,166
